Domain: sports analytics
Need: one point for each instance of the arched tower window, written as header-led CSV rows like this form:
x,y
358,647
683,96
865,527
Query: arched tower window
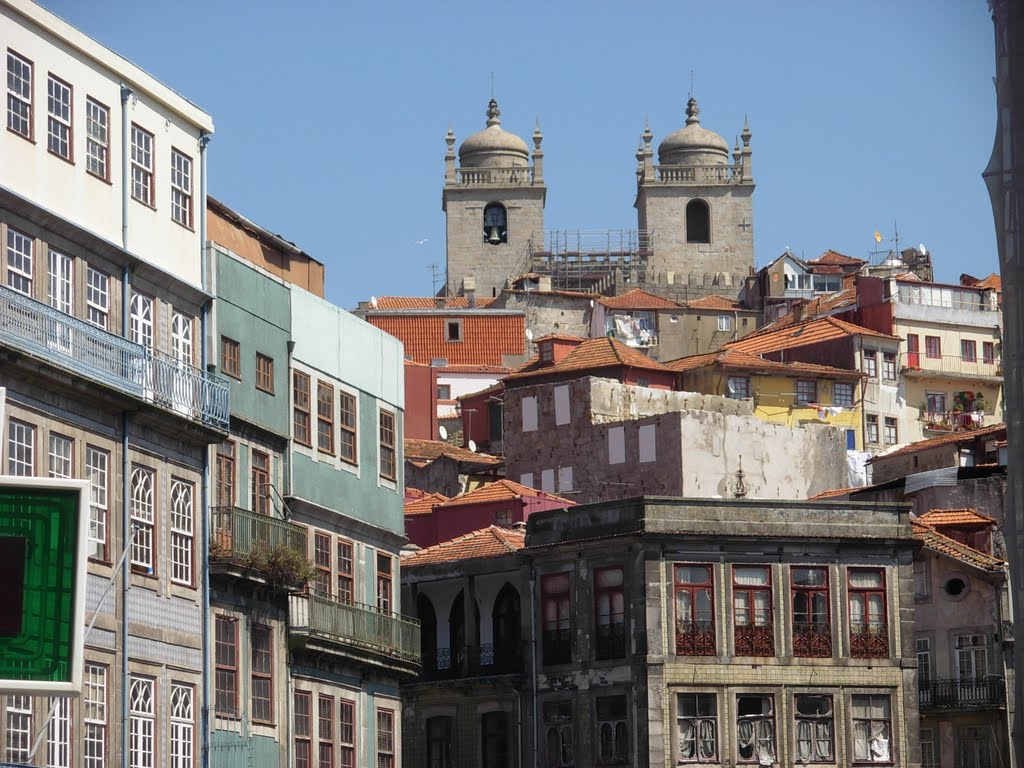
x,y
495,224
698,222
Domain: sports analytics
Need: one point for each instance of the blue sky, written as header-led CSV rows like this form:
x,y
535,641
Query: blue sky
x,y
331,116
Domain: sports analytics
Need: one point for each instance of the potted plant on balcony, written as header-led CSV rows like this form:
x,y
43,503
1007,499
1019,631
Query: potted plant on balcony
x,y
980,403
283,567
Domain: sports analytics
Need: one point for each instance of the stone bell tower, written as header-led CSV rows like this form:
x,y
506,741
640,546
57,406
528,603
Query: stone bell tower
x,y
494,204
697,207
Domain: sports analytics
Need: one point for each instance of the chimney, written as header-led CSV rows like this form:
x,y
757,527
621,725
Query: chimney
x,y
469,289
544,283
439,302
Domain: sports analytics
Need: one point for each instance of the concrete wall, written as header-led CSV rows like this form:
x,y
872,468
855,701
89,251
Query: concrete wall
x,y
550,312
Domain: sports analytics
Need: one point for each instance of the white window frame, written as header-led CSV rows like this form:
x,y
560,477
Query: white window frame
x,y
724,323
871,428
142,320
61,456
21,448
182,525
143,515
94,716
59,116
97,297
20,249
97,139
19,728
181,188
142,165
19,98
181,337
847,387
58,733
182,726
61,285
141,722
97,470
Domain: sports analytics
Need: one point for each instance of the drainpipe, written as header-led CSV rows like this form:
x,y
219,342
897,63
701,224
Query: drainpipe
x,y
204,139
126,141
533,653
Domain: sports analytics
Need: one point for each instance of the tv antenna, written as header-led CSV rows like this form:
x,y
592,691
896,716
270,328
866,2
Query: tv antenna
x,y
435,272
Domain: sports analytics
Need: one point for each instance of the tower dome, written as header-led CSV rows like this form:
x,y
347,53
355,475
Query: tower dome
x,y
693,144
493,147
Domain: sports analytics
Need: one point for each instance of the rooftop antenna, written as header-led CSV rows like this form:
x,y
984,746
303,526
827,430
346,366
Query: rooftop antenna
x,y
492,85
690,95
435,271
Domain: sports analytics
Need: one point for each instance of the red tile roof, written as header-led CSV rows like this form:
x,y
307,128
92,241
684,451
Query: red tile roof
x,y
591,355
502,490
428,302
734,359
485,337
638,299
716,302
802,335
429,450
938,518
834,493
826,269
494,369
839,259
954,438
944,545
993,281
424,504
487,542
810,310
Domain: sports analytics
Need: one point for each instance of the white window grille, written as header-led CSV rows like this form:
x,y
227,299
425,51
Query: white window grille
x,y
181,531
141,718
181,337
142,320
181,188
58,734
724,322
21,449
61,287
143,516
19,262
97,297
97,463
94,716
182,726
19,729
60,456
58,125
97,143
142,165
19,95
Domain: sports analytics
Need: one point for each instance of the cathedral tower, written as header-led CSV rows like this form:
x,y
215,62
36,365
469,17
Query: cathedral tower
x,y
493,203
697,207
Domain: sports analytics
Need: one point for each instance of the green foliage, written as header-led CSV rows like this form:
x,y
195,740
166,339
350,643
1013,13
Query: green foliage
x,y
283,566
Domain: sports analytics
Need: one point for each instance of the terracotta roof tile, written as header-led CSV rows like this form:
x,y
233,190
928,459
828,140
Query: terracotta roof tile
x,y
591,355
493,389
502,490
810,310
826,269
835,493
802,335
638,299
428,302
944,545
485,337
950,439
424,504
567,294
734,359
487,542
715,302
937,518
993,281
495,369
433,449
840,259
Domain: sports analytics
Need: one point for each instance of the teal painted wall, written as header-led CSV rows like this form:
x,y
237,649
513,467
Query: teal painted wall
x,y
253,309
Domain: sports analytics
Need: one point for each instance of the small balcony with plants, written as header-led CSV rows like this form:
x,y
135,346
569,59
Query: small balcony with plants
x,y
965,411
258,547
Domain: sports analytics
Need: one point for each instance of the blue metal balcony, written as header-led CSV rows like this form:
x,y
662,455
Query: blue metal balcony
x,y
84,350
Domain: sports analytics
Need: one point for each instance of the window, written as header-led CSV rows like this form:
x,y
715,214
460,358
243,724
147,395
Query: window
x,y
891,436
842,394
546,352
752,609
922,581
695,614
142,165
738,387
495,224
889,366
181,531
453,330
347,734
141,709
264,373
346,573
697,722
300,397
322,562
612,734
226,662
21,447
181,188
698,222
58,733
871,363
871,729
755,730
444,391
260,477
827,283
609,613
812,630
557,739
562,405
971,662
262,674
869,635
60,455
325,417
976,747
97,297
494,740
923,649
988,352
815,729
929,756
384,587
181,338
303,729
385,738
19,261
969,350
935,402
806,391
97,464
97,141
94,715
143,516
325,730
347,433
229,357
871,425
182,726
225,481
932,346
724,322
388,470
19,728
60,289
19,94
556,617
439,742
58,123
142,320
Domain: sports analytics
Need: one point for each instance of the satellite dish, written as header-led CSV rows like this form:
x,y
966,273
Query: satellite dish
x,y
529,335
443,432
373,302
731,387
922,250
472,446
591,303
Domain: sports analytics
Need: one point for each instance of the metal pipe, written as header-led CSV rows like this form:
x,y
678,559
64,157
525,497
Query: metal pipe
x,y
204,139
533,671
126,141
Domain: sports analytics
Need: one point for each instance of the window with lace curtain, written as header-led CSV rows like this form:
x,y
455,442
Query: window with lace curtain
x,y
697,722
755,730
815,729
752,609
871,729
869,634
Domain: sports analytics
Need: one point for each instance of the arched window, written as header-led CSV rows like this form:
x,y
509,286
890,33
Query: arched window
x,y
698,222
428,632
505,628
495,224
457,634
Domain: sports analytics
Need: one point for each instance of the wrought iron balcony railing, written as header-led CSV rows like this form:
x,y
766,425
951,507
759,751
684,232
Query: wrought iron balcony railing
x,y
695,638
241,536
610,641
358,626
971,693
105,358
812,640
952,421
487,659
979,366
869,641
755,640
556,646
